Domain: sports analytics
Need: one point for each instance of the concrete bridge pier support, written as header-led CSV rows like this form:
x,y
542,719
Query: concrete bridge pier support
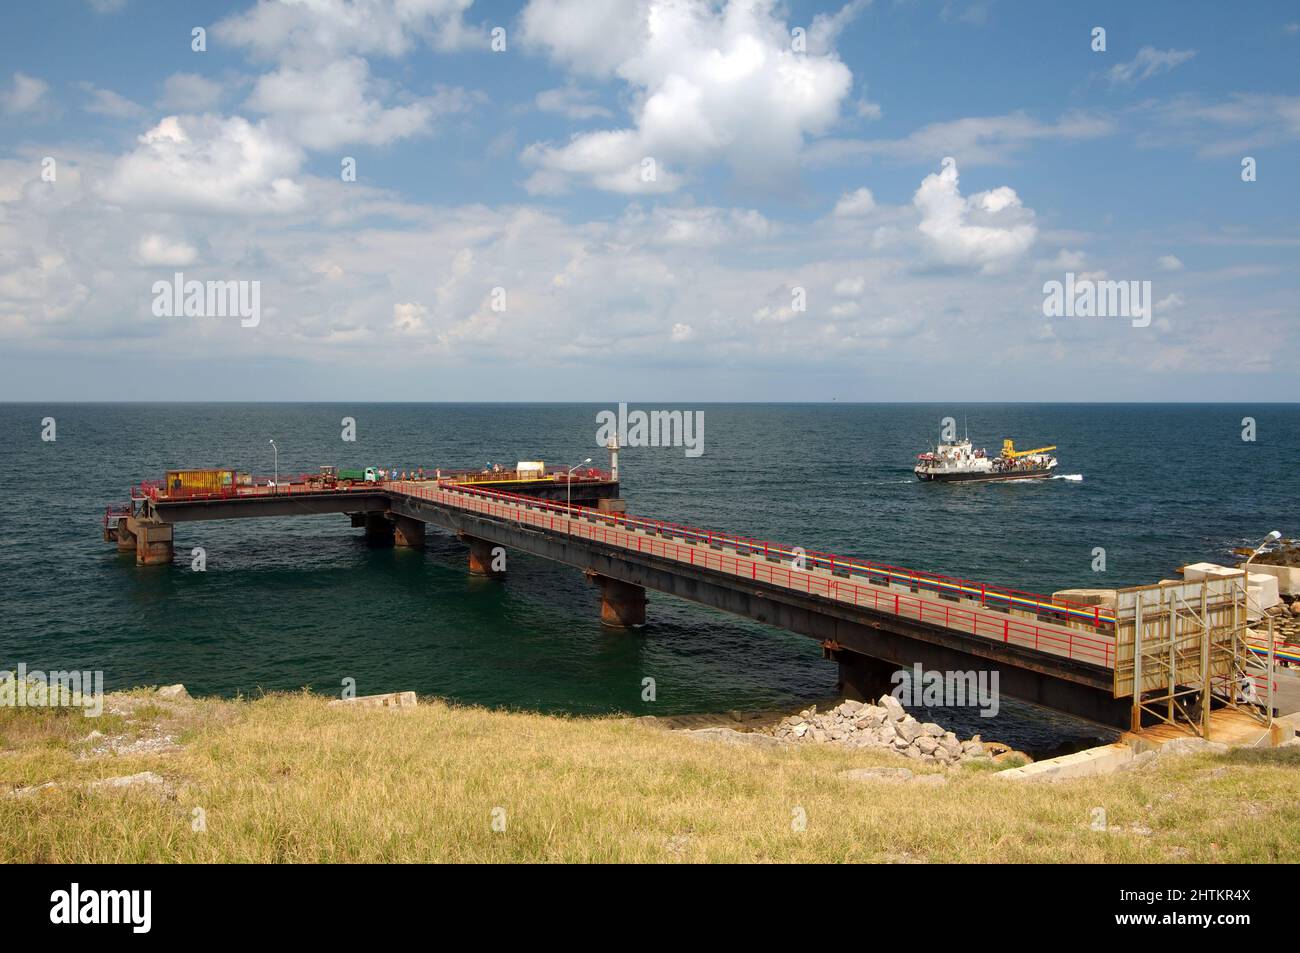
x,y
379,531
408,533
622,605
482,560
153,543
862,678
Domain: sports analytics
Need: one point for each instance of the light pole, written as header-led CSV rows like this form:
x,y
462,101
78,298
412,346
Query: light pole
x,y
276,450
1245,567
568,489
1245,582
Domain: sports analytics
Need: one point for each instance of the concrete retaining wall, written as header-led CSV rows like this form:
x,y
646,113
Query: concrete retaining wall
x,y
1288,578
1093,762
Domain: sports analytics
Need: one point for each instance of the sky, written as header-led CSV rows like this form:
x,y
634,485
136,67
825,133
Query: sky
x,y
642,200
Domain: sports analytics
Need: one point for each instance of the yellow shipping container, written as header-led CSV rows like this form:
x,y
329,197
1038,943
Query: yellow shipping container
x,y
186,482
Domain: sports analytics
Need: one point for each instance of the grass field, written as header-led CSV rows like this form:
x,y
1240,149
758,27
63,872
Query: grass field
x,y
285,778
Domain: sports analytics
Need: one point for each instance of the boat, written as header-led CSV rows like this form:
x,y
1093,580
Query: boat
x,y
958,461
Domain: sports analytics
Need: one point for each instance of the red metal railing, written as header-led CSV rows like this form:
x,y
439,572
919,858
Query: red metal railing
x,y
631,533
116,512
989,595
158,491
583,475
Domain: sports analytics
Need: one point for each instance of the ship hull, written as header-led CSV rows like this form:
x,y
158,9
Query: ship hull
x,y
983,477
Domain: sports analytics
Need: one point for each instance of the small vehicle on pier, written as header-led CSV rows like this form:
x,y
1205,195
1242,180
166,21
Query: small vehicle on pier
x,y
368,475
331,478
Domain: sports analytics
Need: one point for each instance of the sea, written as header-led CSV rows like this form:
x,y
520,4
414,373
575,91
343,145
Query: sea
x,y
288,604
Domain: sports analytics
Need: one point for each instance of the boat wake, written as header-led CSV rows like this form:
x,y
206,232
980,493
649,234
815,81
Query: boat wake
x,y
1076,477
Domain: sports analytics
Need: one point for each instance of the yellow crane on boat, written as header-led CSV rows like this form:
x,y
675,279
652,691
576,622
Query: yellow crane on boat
x,y
1009,450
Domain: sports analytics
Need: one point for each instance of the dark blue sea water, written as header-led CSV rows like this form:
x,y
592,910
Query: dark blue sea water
x,y
303,602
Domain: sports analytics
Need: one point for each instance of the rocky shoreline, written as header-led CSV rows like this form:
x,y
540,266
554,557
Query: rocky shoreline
x,y
1285,617
883,726
887,725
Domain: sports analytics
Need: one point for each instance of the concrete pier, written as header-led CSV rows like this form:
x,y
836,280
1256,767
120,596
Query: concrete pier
x,y
125,538
622,605
379,530
408,533
481,560
153,542
862,677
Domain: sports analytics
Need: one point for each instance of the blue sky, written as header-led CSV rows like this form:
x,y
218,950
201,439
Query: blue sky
x,y
801,238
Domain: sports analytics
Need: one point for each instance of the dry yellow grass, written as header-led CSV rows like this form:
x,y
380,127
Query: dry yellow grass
x,y
286,779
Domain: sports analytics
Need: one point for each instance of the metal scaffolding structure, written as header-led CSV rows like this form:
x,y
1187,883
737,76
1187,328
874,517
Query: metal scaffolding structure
x,y
1183,648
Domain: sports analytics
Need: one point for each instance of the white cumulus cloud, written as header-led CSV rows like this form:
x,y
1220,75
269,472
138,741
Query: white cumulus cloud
x,y
693,227
857,202
321,93
326,107
207,162
161,250
988,229
709,84
408,317
319,30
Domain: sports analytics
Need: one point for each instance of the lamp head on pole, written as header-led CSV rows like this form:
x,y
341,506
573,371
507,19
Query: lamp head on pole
x,y
1271,537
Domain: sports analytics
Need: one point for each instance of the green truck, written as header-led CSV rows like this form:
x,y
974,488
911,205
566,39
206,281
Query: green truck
x,y
368,475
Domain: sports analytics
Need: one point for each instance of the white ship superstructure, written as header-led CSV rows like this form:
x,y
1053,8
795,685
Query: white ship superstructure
x,y
958,460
